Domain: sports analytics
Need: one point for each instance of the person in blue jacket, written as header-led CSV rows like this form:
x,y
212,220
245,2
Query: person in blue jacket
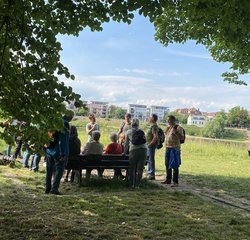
x,y
56,154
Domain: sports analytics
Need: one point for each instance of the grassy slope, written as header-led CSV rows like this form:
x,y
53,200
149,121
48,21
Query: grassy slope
x,y
108,210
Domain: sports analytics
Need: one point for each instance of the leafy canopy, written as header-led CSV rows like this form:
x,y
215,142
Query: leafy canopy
x,y
223,27
30,64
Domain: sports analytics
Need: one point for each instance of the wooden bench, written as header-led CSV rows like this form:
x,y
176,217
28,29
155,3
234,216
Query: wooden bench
x,y
106,161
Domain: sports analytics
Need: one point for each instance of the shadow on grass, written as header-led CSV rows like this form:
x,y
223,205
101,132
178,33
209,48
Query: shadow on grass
x,y
236,186
107,185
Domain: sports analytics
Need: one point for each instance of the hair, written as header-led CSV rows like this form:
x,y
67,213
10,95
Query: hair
x,y
91,116
128,115
113,137
135,123
172,118
96,135
73,131
155,117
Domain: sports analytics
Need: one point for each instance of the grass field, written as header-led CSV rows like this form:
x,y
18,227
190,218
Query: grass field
x,y
107,209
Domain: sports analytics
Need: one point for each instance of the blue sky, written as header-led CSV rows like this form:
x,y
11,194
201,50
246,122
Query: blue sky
x,y
124,64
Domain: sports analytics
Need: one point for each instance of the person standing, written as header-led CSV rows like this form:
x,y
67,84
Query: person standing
x,y
135,140
174,134
125,126
152,140
56,154
92,126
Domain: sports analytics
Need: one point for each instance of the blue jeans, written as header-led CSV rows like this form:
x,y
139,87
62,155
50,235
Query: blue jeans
x,y
168,155
34,162
151,161
26,157
8,150
55,169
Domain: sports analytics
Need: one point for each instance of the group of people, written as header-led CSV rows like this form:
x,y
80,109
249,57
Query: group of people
x,y
140,151
130,139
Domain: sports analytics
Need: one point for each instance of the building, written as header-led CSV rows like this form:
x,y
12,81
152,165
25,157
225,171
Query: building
x,y
160,111
197,120
138,111
100,109
210,115
185,111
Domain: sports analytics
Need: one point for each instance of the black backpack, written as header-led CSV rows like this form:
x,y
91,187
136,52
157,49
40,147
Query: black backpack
x,y
182,140
138,137
161,138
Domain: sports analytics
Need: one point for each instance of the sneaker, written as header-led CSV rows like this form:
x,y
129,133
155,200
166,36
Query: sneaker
x,y
151,177
55,192
47,191
174,185
166,182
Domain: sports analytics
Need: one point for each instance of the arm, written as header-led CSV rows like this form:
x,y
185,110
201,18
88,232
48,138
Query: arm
x,y
90,130
126,146
155,137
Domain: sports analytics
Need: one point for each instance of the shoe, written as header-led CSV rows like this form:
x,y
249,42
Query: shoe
x,y
47,191
151,177
174,185
55,192
166,182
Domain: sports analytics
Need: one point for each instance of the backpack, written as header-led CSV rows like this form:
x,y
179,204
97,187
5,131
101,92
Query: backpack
x,y
161,138
138,137
182,140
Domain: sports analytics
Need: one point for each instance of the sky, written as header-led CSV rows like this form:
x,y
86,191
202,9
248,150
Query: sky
x,y
124,65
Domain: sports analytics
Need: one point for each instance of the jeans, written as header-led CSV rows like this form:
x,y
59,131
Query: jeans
x,y
169,170
18,149
55,169
8,151
26,157
151,161
137,158
34,162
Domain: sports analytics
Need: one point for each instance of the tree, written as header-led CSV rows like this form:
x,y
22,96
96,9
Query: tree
x,y
30,90
238,117
215,128
223,27
116,112
180,118
30,64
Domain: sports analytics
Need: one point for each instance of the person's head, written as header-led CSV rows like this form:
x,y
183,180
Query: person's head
x,y
135,123
73,131
96,135
92,117
128,117
113,137
153,118
171,120
69,115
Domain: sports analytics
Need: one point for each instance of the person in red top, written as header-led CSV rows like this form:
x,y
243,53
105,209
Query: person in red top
x,y
114,148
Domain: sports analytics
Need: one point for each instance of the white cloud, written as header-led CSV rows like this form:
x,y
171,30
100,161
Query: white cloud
x,y
122,90
189,54
152,72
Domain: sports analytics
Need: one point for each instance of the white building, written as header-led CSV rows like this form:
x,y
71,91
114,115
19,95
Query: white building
x,y
197,120
138,111
160,111
98,108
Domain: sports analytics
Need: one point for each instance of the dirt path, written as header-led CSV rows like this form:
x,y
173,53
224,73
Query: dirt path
x,y
240,205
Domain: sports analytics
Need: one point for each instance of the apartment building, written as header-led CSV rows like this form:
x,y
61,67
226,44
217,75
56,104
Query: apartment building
x,y
100,109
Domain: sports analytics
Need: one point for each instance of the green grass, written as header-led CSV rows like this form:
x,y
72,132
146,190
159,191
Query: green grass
x,y
221,166
107,209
